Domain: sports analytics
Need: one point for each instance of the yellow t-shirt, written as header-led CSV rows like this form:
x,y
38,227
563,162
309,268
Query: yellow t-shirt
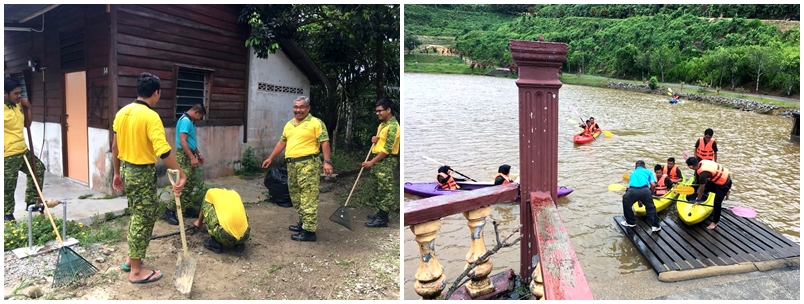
x,y
305,138
388,133
229,210
140,134
13,122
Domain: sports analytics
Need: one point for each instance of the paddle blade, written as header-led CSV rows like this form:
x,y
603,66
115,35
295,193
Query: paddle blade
x,y
341,217
684,154
686,190
607,134
744,212
572,121
185,272
626,176
616,187
669,90
669,94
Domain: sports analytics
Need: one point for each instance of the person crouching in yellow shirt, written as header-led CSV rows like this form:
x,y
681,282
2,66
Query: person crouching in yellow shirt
x,y
226,220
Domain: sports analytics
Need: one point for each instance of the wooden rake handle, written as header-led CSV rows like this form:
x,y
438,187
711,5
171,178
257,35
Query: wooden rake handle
x,y
42,197
173,175
358,175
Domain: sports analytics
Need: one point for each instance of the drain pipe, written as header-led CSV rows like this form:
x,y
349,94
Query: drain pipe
x,y
34,15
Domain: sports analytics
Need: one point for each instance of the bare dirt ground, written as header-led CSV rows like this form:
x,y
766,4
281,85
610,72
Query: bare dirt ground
x,y
341,264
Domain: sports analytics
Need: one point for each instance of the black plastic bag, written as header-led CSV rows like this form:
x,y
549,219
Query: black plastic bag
x,y
277,183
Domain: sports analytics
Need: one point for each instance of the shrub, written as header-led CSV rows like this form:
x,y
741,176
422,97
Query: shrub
x,y
653,82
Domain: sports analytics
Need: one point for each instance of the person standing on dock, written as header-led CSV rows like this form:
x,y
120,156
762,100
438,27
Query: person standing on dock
x,y
706,147
384,164
717,181
641,185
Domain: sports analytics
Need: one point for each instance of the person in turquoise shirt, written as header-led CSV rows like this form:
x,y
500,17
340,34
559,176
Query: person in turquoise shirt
x,y
641,185
189,159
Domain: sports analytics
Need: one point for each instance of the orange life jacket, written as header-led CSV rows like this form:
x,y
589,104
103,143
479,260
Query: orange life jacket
x,y
590,128
661,185
449,185
673,173
705,151
719,174
506,179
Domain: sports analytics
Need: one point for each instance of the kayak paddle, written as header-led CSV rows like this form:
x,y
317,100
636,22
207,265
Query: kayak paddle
x,y
616,187
459,173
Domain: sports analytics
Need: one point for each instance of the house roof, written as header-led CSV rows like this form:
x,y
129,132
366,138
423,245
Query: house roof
x,y
303,61
20,13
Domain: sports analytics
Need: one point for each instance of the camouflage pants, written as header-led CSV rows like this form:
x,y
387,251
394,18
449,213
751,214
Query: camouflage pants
x,y
11,166
216,231
383,173
140,183
303,180
193,174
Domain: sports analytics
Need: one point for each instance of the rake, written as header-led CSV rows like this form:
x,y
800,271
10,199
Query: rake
x,y
70,265
341,216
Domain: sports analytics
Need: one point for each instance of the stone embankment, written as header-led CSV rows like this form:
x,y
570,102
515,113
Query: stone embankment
x,y
737,103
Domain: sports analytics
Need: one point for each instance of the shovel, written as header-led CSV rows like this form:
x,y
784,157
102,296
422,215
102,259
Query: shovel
x,y
185,265
341,216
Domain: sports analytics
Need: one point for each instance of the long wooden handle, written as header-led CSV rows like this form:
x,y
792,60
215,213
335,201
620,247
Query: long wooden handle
x,y
170,174
358,175
42,197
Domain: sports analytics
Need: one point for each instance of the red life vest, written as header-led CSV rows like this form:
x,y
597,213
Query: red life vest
x,y
449,185
719,174
661,185
506,179
705,151
673,173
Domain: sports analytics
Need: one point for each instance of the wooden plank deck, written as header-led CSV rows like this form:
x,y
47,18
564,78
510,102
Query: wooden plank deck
x,y
737,240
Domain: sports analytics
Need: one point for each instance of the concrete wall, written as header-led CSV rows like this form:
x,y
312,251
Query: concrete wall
x,y
101,170
51,155
220,147
270,110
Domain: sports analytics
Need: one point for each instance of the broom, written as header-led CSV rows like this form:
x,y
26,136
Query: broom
x,y
341,216
70,265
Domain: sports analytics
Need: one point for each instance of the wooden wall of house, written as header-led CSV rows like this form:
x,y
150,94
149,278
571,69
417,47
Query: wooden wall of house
x,y
67,44
156,38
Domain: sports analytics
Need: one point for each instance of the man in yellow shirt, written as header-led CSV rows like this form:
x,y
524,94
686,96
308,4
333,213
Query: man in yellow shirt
x,y
385,164
226,219
14,148
303,136
139,138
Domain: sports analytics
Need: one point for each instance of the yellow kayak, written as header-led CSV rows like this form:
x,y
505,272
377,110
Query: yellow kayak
x,y
691,214
661,203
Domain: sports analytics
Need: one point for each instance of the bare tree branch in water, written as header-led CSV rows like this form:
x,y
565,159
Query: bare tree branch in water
x,y
500,245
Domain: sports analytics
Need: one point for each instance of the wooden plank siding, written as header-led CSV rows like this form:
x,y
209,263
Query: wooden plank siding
x,y
156,38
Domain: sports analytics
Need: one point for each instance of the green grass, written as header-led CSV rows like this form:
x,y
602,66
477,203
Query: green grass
x,y
439,64
584,80
85,196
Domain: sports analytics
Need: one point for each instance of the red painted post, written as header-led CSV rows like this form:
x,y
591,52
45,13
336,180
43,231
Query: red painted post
x,y
538,84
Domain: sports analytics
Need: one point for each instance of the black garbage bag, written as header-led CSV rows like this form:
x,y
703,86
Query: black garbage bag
x,y
277,183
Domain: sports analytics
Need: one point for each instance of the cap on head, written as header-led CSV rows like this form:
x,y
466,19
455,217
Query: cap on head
x,y
504,169
639,163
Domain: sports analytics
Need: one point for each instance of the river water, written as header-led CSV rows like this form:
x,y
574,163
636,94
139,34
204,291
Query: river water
x,y
471,124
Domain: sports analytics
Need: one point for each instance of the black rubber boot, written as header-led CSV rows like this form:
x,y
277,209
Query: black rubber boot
x,y
191,212
286,204
304,236
296,228
213,245
380,220
170,217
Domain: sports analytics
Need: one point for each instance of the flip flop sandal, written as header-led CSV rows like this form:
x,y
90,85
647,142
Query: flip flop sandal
x,y
127,268
148,279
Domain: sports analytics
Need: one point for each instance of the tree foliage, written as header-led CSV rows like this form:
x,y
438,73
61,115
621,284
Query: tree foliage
x,y
357,48
669,41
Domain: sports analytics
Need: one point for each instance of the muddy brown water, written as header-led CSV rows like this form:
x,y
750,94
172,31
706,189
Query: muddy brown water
x,y
471,124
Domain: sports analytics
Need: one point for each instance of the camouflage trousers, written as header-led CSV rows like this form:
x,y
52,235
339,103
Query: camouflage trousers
x,y
216,231
11,166
193,175
140,183
383,176
303,180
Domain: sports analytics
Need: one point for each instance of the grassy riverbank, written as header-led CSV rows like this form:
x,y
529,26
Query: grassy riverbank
x,y
441,64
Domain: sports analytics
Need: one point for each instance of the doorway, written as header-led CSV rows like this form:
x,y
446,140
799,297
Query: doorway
x,y
75,85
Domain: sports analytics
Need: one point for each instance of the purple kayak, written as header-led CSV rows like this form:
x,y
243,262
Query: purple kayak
x,y
432,189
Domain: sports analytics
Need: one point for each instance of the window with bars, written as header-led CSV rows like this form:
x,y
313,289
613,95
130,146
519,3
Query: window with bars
x,y
192,87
